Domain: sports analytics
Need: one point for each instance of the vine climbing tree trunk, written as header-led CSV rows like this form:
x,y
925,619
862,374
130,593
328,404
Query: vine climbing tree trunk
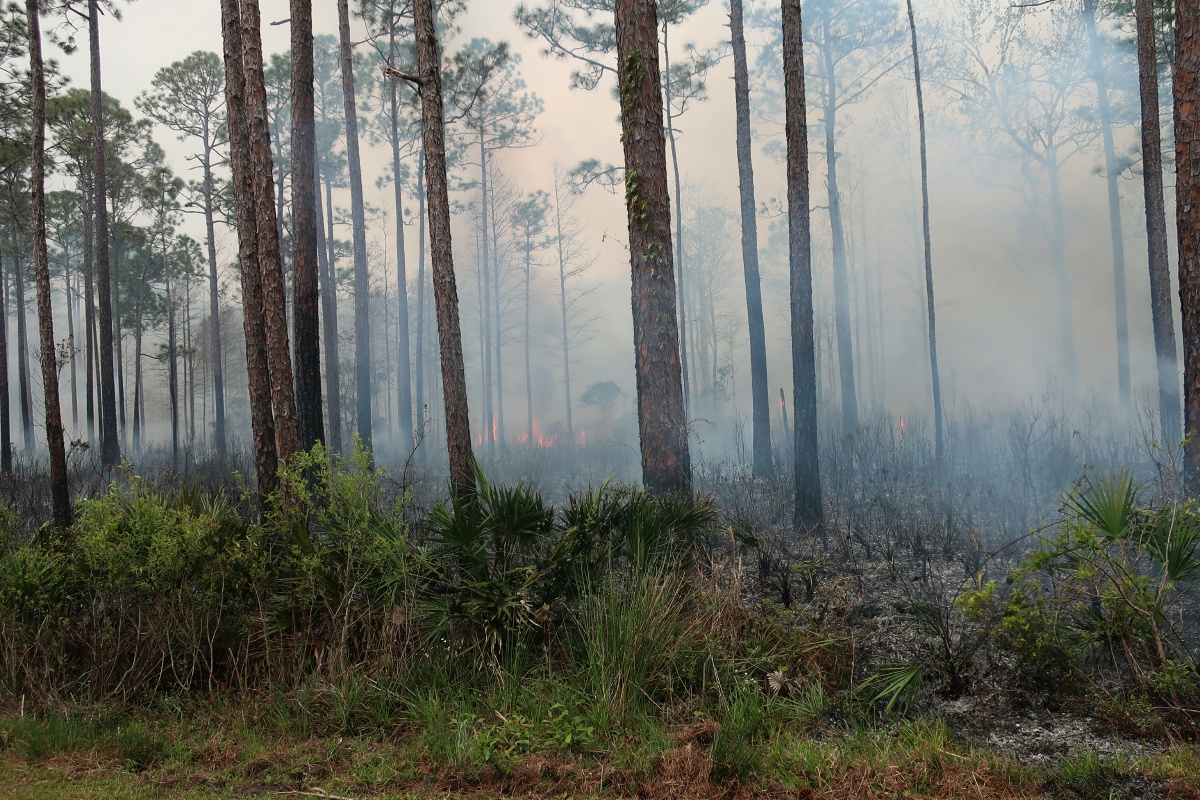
x,y
662,424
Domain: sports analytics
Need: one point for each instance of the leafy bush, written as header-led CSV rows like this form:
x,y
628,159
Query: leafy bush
x,y
1105,595
344,577
172,589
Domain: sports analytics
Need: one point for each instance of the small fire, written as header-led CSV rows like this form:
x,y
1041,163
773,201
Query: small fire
x,y
901,436
583,438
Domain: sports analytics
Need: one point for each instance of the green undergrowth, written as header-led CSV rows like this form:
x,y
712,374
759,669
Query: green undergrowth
x,y
533,745
608,645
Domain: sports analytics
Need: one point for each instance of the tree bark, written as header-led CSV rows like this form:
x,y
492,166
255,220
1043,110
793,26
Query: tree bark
x,y
266,458
89,321
930,308
1116,229
454,381
1187,193
528,363
662,424
274,293
173,375
110,452
808,512
305,284
760,400
60,493
420,354
362,288
1162,313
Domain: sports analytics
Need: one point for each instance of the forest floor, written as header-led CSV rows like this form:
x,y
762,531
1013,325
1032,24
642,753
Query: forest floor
x,y
216,753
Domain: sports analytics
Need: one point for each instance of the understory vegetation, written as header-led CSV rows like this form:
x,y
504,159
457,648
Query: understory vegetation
x,y
361,638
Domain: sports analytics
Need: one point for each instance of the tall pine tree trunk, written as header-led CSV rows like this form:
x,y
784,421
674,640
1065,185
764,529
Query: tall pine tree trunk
x,y
306,300
499,329
679,254
362,288
930,308
759,392
6,443
486,285
214,306
420,354
808,512
454,382
173,375
23,383
266,458
1162,313
329,321
403,347
274,293
89,321
139,330
110,452
662,424
1187,195
841,278
60,494
528,364
562,302
1116,229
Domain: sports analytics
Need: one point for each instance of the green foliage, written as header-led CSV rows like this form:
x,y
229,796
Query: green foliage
x,y
1101,596
1023,630
744,721
173,588
895,684
502,565
346,561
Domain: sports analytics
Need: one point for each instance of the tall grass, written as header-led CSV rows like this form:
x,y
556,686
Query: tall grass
x,y
631,629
